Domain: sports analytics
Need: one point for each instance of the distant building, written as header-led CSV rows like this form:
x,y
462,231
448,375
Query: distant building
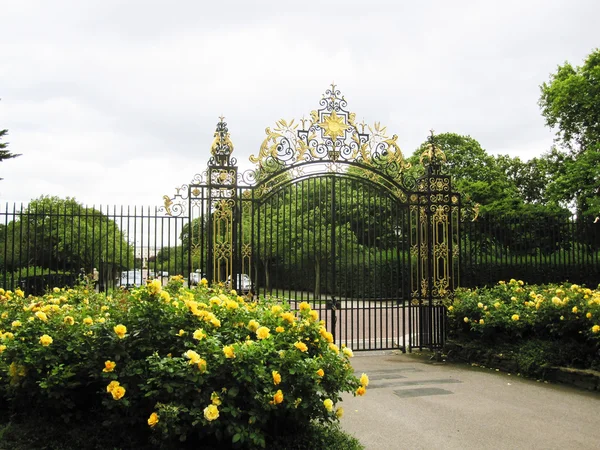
x,y
145,253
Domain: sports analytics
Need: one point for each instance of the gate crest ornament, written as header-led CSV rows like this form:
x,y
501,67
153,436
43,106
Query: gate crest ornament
x,y
331,134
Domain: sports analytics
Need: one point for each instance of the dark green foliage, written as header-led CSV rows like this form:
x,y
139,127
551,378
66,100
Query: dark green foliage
x,y
4,153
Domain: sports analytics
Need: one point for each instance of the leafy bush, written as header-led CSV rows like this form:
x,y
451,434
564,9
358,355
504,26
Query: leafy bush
x,y
560,323
171,365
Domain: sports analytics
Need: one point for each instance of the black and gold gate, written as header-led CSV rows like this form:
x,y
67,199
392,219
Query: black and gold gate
x,y
331,215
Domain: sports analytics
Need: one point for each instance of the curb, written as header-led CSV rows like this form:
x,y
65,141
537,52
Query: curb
x,y
586,379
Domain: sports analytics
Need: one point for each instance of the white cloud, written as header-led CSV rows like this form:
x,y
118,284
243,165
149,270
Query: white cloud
x,y
116,102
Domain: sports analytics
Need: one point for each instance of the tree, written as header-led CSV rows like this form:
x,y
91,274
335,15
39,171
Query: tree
x,y
475,174
530,177
575,180
61,235
5,154
570,103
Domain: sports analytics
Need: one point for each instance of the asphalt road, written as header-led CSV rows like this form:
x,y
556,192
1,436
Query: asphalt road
x,y
412,403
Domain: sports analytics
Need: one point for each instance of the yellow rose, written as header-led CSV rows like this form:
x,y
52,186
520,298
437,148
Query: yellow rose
x,y
515,317
229,352
101,320
596,329
339,412
466,319
280,329
192,356
118,392
328,404
334,348
361,391
120,331
88,321
201,364
304,306
481,322
153,419
181,332
301,346
346,351
211,412
214,398
574,310
364,380
450,308
42,316
215,322
109,366
288,317
16,324
45,340
480,305
276,377
111,386
276,309
154,287
2,348
165,296
199,334
589,315
278,397
321,372
204,282
253,325
263,333
231,304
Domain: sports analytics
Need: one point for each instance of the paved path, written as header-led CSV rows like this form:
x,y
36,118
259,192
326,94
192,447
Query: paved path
x,y
414,404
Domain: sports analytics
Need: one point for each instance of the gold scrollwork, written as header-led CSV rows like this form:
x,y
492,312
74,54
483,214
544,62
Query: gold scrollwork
x,y
330,134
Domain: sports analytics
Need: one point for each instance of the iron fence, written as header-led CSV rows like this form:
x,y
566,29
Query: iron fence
x,y
538,249
53,242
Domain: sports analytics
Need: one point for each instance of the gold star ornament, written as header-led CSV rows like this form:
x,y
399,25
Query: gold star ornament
x,y
334,125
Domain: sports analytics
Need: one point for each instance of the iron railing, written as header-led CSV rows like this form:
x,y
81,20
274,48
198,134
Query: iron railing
x,y
538,249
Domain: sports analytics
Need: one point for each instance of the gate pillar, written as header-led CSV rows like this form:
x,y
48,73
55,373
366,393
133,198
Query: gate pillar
x,y
434,248
222,196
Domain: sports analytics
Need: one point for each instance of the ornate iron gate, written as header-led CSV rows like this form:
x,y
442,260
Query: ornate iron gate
x,y
331,216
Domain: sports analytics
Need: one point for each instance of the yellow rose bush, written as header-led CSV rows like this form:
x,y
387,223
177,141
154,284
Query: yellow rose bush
x,y
542,325
170,364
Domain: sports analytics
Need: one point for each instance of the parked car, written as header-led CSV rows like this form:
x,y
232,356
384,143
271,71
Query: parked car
x,y
243,283
131,278
195,277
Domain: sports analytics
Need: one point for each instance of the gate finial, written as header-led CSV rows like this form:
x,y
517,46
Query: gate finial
x,y
222,147
433,154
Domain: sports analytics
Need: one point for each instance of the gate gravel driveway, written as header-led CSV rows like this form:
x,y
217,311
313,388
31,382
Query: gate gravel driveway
x,y
412,403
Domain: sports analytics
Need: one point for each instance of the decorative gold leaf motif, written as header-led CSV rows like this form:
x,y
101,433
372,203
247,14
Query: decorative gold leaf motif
x,y
168,203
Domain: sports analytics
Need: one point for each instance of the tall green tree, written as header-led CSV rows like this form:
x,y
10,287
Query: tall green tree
x,y
530,177
54,234
475,174
570,103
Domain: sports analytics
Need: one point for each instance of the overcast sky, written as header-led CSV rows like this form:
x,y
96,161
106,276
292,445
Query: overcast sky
x,y
116,102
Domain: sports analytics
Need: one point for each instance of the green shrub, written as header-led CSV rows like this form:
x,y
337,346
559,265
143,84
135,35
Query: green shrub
x,y
171,365
551,324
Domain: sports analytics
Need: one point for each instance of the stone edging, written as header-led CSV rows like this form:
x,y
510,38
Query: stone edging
x,y
580,378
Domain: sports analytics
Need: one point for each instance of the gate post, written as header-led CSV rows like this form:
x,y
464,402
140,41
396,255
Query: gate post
x,y
436,247
222,207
